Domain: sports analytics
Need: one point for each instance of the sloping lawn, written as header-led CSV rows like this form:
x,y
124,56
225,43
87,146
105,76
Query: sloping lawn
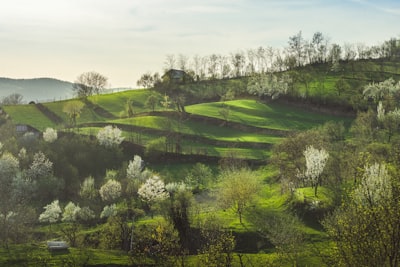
x,y
30,115
200,129
87,114
189,146
272,115
116,103
38,255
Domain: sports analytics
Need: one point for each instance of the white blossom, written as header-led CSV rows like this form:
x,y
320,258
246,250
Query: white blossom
x,y
88,189
374,185
9,166
8,163
109,211
153,190
380,111
50,135
110,136
135,167
315,163
52,212
176,187
9,217
267,85
394,115
378,91
111,190
22,153
70,213
86,214
40,167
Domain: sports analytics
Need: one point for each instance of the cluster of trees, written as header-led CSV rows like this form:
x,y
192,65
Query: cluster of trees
x,y
271,73
362,172
299,52
89,83
12,99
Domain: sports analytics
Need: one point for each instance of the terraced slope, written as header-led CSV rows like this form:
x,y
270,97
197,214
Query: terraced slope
x,y
269,116
249,132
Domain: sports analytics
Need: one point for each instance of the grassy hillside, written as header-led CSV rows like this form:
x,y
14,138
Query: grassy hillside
x,y
30,115
251,129
271,116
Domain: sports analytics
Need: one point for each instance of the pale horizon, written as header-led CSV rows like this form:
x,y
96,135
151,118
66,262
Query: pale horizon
x,y
123,39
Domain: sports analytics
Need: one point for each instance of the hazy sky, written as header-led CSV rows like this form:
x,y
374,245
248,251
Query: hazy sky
x,y
123,39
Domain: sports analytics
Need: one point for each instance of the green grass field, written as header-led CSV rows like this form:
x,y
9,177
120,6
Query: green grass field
x,y
87,114
271,115
223,133
198,136
30,115
116,103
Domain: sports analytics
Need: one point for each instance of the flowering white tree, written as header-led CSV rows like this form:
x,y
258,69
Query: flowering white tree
x,y
389,120
22,153
110,136
365,227
9,167
380,112
153,190
173,188
70,213
109,211
378,91
51,212
267,85
111,190
86,214
374,185
88,189
50,135
135,167
315,163
41,166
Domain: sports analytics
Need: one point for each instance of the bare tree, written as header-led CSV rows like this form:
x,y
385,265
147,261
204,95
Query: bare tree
x,y
170,62
320,45
196,66
349,52
146,80
261,59
13,99
335,53
89,83
183,62
213,66
251,58
296,47
238,61
270,53
224,67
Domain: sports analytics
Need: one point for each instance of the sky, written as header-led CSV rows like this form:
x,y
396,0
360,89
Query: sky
x,y
123,39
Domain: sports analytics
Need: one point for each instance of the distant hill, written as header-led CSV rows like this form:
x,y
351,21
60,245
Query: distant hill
x,y
39,89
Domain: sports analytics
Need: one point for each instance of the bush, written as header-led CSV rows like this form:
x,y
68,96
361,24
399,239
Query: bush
x,y
156,147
